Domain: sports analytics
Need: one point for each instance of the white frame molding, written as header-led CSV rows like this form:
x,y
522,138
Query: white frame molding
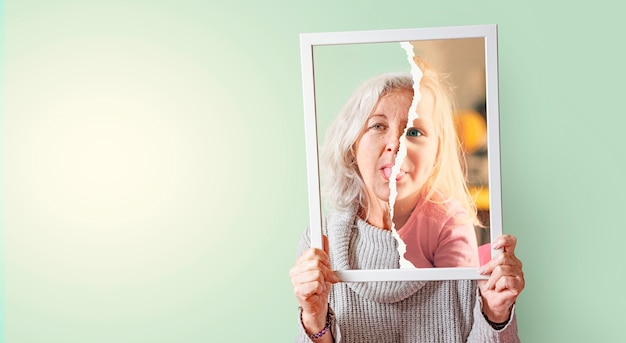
x,y
307,42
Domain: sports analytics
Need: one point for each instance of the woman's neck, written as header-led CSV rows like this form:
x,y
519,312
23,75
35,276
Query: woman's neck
x,y
377,215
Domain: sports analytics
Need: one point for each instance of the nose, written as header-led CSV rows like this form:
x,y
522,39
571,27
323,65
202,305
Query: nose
x,y
392,142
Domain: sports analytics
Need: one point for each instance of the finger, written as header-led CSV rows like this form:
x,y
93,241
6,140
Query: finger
x,y
326,273
503,271
304,291
331,276
314,254
503,258
310,289
325,243
311,253
308,277
505,242
511,284
313,269
507,258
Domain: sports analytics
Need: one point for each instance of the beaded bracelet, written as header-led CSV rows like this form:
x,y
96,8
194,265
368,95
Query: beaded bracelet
x,y
496,326
324,330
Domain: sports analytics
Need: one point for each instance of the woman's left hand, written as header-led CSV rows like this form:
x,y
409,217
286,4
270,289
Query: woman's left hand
x,y
506,282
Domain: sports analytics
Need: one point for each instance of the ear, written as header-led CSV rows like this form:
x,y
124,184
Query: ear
x,y
352,156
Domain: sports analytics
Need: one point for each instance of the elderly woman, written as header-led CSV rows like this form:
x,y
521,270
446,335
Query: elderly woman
x,y
362,145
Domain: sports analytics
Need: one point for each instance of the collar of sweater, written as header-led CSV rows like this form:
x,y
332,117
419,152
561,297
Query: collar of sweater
x,y
355,244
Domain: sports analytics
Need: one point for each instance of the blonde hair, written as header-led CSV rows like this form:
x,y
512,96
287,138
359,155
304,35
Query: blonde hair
x,y
343,186
448,178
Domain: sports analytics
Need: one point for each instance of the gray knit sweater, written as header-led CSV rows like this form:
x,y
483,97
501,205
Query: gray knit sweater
x,y
396,312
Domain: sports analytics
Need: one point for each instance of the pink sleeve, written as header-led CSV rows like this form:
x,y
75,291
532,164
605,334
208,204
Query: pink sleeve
x,y
457,245
435,239
484,253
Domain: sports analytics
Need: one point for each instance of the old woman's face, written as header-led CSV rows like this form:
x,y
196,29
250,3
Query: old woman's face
x,y
377,146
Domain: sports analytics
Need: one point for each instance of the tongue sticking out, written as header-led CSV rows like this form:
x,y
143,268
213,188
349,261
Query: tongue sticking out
x,y
387,172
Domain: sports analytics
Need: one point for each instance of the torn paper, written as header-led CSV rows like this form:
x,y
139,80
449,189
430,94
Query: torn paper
x,y
416,72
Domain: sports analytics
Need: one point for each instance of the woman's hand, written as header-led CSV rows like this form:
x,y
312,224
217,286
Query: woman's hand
x,y
506,282
311,278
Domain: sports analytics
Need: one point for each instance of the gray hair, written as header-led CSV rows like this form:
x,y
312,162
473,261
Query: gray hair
x,y
343,187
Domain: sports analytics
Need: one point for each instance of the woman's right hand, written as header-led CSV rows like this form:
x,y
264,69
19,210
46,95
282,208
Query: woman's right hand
x,y
312,278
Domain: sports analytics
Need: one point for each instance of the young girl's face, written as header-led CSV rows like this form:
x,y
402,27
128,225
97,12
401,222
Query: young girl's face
x,y
422,145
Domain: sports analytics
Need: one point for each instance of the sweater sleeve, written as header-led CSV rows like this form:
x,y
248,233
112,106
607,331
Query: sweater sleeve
x,y
483,332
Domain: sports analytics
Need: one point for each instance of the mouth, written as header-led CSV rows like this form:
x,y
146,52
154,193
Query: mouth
x,y
386,170
400,175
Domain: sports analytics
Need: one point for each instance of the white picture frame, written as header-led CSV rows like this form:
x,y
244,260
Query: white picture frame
x,y
310,42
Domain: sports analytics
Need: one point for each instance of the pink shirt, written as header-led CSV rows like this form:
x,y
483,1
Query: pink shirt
x,y
435,238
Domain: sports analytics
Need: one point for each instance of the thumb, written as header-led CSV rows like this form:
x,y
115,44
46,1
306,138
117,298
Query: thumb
x,y
325,243
332,277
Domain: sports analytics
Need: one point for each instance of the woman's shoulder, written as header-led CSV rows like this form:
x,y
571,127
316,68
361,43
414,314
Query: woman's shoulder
x,y
332,218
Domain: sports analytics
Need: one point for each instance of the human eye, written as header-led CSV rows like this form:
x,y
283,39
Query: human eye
x,y
413,132
377,127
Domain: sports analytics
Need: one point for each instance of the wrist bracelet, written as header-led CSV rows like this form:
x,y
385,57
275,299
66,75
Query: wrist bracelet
x,y
324,330
496,326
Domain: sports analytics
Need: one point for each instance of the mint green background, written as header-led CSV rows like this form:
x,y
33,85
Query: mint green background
x,y
341,69
233,70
